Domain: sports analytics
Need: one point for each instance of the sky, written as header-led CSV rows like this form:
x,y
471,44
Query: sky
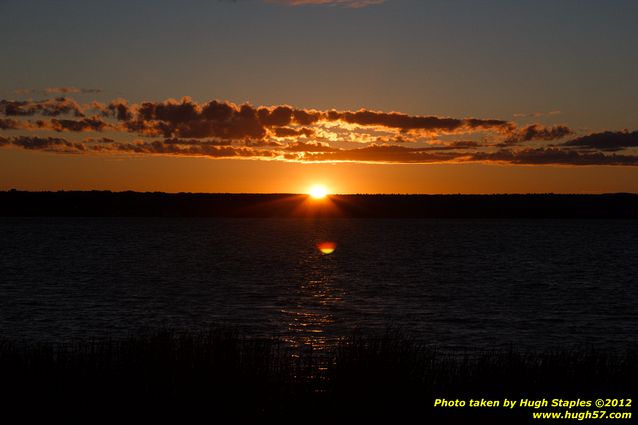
x,y
362,96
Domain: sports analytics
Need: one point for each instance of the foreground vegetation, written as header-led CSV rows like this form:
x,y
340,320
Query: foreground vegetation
x,y
221,377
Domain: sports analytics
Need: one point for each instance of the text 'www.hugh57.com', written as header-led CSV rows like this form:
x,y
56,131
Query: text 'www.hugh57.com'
x,y
543,408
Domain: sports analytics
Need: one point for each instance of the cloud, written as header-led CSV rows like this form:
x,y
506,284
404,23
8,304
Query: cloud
x,y
206,149
85,124
47,107
554,156
406,123
222,129
173,147
54,124
461,152
606,141
71,90
382,154
344,3
538,132
12,124
47,144
540,156
289,132
459,145
186,118
117,108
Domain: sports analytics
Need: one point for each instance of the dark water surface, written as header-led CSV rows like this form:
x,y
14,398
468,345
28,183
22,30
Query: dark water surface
x,y
454,283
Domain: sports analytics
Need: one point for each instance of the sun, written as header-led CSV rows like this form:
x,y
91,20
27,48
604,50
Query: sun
x,y
318,191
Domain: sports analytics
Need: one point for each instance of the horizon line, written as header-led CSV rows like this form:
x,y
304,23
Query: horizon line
x,y
15,190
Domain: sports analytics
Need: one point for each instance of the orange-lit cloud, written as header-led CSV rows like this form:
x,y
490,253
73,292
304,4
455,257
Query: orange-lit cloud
x,y
221,129
319,153
186,118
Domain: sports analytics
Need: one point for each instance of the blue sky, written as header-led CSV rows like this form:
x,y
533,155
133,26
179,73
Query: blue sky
x,y
565,62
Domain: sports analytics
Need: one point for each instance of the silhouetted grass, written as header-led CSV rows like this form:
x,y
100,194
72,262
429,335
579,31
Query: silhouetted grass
x,y
221,377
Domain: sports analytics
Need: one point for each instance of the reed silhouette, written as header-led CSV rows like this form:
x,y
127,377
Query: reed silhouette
x,y
219,376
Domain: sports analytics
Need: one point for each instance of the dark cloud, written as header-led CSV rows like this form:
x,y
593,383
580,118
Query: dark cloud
x,y
538,132
54,124
85,124
277,116
322,152
554,156
47,107
186,118
197,142
290,132
406,122
460,145
11,124
223,129
117,108
212,150
606,141
540,156
464,145
306,117
383,153
215,119
207,148
47,144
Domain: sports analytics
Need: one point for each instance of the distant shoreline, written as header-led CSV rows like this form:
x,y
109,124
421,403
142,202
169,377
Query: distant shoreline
x,y
157,204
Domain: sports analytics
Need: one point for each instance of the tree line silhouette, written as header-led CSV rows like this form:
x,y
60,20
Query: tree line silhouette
x,y
158,204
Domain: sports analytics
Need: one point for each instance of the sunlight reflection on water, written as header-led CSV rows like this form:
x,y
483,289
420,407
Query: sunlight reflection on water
x,y
312,303
458,284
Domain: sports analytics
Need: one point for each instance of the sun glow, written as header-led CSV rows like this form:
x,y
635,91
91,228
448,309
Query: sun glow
x,y
318,192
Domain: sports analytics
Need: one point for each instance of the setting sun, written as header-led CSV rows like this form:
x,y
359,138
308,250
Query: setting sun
x,y
318,192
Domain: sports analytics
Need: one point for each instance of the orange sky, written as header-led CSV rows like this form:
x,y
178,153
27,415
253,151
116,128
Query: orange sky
x,y
47,171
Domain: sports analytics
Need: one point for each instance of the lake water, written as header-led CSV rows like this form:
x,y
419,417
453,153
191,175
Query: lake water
x,y
457,284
